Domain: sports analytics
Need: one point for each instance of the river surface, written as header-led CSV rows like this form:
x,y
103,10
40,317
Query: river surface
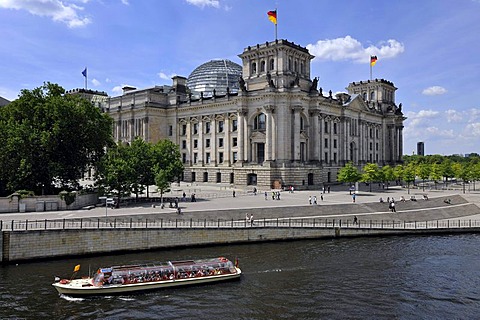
x,y
410,277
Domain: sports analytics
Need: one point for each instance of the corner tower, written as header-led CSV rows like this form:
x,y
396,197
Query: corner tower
x,y
280,64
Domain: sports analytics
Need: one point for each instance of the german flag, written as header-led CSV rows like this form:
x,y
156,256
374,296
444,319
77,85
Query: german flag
x,y
272,16
77,267
373,60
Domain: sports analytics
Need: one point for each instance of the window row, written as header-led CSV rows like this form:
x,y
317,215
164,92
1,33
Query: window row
x,y
208,143
207,128
208,158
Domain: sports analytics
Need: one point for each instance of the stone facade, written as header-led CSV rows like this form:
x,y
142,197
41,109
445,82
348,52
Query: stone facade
x,y
278,130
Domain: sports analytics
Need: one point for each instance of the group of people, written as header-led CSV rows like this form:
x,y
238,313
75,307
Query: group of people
x,y
249,219
313,200
275,195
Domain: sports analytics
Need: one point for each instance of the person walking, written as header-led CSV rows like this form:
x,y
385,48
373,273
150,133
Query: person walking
x,y
251,220
393,207
355,220
247,219
266,195
310,200
314,199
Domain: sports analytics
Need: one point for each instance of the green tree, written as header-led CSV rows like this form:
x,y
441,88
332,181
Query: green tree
x,y
436,173
349,173
447,170
475,173
49,139
463,171
166,155
162,182
370,174
423,171
409,174
115,174
388,174
140,156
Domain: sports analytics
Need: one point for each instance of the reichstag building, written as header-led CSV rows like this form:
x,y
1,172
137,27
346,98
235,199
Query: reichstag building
x,y
265,123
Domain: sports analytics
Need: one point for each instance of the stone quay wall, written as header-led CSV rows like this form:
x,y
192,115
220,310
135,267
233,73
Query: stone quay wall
x,y
48,244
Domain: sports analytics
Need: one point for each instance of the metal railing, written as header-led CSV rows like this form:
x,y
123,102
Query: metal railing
x,y
132,223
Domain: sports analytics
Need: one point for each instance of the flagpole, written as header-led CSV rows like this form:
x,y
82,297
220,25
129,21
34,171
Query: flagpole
x,y
86,75
276,38
371,71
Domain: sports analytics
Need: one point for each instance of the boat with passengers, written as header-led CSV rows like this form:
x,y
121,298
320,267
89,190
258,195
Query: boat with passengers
x,y
134,278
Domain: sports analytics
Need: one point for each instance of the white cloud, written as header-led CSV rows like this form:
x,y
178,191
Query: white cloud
x,y
350,49
118,89
453,115
434,91
439,133
165,76
472,130
125,2
205,3
95,82
61,11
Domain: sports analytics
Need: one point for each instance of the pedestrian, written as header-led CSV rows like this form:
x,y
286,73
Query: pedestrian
x,y
393,207
328,188
321,197
266,195
273,195
355,220
254,191
184,198
247,218
233,193
179,211
314,199
251,220
278,195
353,197
310,200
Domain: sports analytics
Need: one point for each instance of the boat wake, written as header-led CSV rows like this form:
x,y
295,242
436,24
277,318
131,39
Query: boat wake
x,y
71,299
280,270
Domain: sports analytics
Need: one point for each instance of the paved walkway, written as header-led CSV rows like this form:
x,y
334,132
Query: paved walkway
x,y
215,202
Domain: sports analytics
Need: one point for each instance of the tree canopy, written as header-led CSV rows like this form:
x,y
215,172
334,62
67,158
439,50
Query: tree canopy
x,y
49,139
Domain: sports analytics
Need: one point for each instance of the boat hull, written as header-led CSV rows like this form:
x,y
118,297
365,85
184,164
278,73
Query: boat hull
x,y
82,287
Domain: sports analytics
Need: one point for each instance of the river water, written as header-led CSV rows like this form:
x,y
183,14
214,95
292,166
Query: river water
x,y
411,277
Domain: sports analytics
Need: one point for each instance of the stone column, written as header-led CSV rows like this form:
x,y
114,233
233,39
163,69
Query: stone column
x,y
268,133
240,133
201,149
213,141
296,132
188,136
226,141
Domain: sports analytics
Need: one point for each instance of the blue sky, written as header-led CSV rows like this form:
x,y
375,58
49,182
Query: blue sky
x,y
429,49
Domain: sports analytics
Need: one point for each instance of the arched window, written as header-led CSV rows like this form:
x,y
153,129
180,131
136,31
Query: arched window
x,y
302,68
254,67
272,64
372,96
365,96
295,66
260,122
289,64
262,66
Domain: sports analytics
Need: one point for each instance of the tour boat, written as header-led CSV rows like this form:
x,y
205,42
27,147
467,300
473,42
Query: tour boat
x,y
132,278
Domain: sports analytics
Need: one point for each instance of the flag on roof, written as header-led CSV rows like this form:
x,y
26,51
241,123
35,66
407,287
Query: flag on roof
x,y
84,72
373,60
272,16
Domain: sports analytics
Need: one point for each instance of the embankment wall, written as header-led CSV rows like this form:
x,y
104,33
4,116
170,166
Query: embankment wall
x,y
48,244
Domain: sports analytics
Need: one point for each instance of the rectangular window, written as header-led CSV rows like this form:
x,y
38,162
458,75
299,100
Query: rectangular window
x,y
371,133
207,143
207,157
326,157
195,128
195,157
220,142
326,127
234,124
376,146
184,130
326,143
334,128
220,126
195,143
184,157
371,146
220,157
234,142
207,127
334,143
184,144
376,133
170,131
234,157
334,157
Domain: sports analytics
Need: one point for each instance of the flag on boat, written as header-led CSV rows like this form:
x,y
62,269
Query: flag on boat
x,y
373,60
272,16
77,267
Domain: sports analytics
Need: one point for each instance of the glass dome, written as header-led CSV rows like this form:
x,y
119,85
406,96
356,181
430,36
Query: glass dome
x,y
215,74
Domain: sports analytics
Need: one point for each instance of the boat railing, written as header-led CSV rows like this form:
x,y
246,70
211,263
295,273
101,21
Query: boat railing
x,y
145,223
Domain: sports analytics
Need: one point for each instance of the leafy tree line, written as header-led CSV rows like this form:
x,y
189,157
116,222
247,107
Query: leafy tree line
x,y
127,169
429,168
49,139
